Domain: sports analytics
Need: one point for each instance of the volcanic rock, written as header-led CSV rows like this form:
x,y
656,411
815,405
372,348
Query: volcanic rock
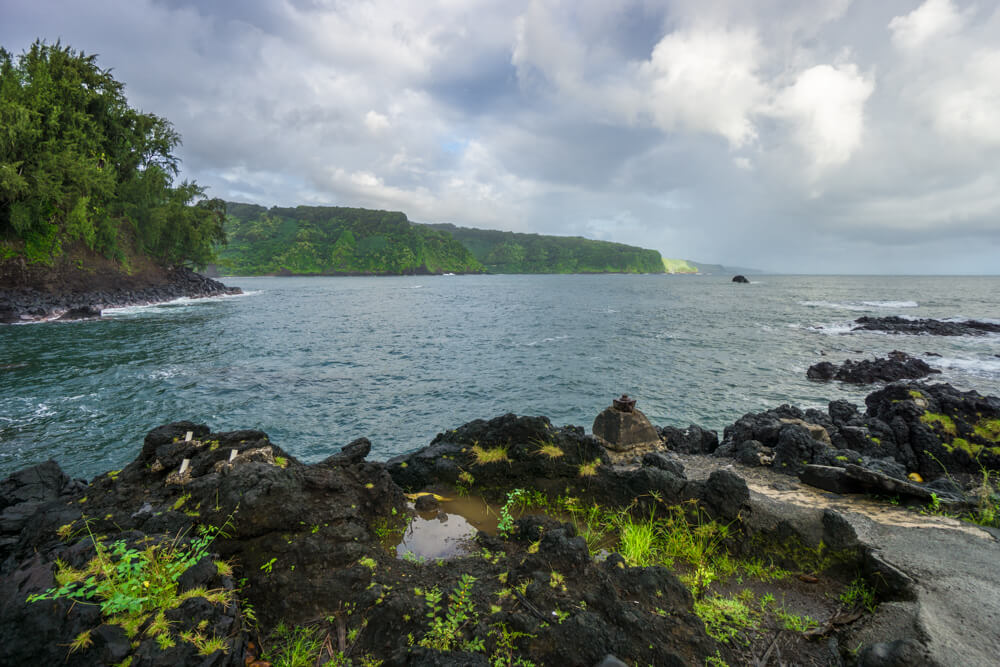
x,y
898,366
625,431
902,325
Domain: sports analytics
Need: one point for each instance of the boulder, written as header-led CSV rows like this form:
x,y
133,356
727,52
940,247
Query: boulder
x,y
624,431
740,279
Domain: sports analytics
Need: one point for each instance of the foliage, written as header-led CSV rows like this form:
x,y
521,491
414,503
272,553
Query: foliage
x,y
78,165
122,579
859,594
331,240
445,633
510,252
294,646
506,523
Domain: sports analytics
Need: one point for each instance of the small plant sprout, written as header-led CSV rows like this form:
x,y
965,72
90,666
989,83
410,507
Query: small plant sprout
x,y
589,469
269,565
506,524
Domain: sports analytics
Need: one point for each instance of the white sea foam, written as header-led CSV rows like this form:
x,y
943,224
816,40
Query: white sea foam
x,y
863,306
987,368
546,340
174,304
891,304
832,329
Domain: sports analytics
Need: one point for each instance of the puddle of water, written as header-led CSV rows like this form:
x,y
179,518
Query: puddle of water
x,y
448,531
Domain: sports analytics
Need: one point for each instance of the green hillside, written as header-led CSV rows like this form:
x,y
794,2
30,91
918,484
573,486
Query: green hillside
x,y
678,266
328,240
510,252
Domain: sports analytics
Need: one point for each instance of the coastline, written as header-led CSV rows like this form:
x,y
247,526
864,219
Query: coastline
x,y
86,298
321,541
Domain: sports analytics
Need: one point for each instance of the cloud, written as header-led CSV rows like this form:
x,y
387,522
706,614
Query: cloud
x,y
786,135
705,80
826,107
932,19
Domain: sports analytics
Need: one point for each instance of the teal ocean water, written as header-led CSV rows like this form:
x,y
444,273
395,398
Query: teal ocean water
x,y
318,362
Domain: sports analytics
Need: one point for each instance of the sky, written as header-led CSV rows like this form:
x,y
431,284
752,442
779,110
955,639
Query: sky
x,y
836,136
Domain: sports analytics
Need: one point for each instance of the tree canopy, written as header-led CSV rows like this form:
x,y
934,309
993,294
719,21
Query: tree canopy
x,y
512,252
332,240
78,164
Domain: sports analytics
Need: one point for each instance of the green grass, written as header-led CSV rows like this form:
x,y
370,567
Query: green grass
x,y
491,455
294,646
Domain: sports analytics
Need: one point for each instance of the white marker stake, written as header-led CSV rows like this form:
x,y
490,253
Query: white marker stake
x,y
188,436
184,466
232,455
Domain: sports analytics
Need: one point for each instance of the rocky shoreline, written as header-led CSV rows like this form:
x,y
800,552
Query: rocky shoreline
x,y
311,546
82,301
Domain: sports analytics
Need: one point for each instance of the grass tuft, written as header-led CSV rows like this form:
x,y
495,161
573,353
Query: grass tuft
x,y
491,455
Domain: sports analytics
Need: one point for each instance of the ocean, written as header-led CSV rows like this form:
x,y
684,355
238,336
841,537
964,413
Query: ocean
x,y
317,362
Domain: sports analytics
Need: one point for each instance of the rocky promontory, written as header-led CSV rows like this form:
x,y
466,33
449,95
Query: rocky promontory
x,y
83,295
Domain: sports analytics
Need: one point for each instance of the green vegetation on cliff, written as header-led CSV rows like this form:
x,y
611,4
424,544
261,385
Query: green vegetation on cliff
x,y
510,252
332,240
678,266
80,168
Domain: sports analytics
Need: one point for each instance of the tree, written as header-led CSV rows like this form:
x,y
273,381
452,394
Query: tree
x,y
78,164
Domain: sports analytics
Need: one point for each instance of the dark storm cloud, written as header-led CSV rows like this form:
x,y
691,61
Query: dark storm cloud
x,y
802,137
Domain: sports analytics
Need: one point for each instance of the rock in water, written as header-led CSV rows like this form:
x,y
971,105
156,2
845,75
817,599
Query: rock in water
x,y
621,428
740,279
898,366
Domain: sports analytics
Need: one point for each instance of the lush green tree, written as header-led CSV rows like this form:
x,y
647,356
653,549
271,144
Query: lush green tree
x,y
78,164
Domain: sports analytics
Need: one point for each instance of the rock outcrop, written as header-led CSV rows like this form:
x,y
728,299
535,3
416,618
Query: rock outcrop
x,y
903,325
918,428
896,366
625,431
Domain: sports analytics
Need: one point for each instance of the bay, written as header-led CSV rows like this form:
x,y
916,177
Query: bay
x,y
318,362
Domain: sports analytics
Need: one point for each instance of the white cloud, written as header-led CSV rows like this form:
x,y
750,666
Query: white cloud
x,y
934,18
966,105
705,80
826,107
376,122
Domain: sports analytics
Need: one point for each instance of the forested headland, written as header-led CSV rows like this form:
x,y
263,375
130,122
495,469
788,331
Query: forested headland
x,y
333,240
87,182
512,252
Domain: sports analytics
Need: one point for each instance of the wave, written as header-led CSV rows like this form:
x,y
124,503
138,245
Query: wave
x,y
546,340
979,367
863,306
173,304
